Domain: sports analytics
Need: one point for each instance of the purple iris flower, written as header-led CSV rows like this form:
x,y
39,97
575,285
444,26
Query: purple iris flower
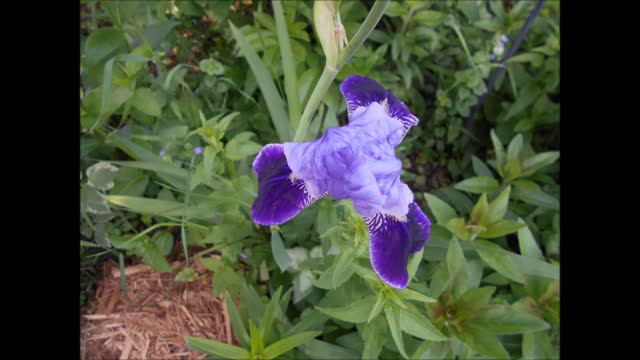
x,y
197,150
163,153
355,161
504,39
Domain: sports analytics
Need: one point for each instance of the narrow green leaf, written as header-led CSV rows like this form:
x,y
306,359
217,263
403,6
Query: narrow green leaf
x,y
414,263
473,300
392,314
478,185
282,346
480,210
459,228
356,312
146,206
381,300
538,161
485,344
514,148
415,323
504,319
257,344
414,295
500,228
498,206
267,87
269,315
342,267
374,336
153,257
480,168
288,64
158,167
530,192
321,350
499,150
499,261
441,210
527,244
216,348
537,345
456,263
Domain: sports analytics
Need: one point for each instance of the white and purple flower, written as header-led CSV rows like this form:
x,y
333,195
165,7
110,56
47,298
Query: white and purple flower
x,y
355,161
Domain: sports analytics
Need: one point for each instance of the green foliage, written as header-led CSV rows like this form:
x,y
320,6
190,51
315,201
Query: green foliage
x,y
177,98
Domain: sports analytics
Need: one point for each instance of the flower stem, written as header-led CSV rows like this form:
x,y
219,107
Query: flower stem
x,y
328,74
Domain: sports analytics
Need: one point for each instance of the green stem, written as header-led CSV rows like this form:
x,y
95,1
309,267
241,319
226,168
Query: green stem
x,y
328,74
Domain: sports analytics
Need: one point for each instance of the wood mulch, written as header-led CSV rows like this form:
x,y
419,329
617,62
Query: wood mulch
x,y
159,314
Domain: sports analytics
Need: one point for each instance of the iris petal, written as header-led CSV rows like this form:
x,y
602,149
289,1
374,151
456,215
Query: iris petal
x,y
280,197
392,240
362,91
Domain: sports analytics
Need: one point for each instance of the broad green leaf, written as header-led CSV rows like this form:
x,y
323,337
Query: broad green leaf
x,y
503,319
415,323
500,228
430,18
267,87
216,348
145,100
537,345
241,147
101,175
441,210
321,350
480,168
499,150
164,242
473,300
514,148
498,260
538,161
459,228
356,312
530,192
392,313
279,252
478,185
153,257
282,346
374,335
155,33
498,206
486,344
236,322
130,182
186,275
225,278
129,241
341,271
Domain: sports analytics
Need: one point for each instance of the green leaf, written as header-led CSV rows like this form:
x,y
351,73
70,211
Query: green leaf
x,y
101,175
499,150
155,33
158,167
279,252
257,344
498,206
241,147
527,244
164,242
498,260
441,210
92,202
414,323
457,267
288,64
317,349
236,322
480,168
537,345
153,257
414,263
478,185
374,336
375,311
103,44
504,319
392,313
216,348
269,315
267,87
356,312
538,161
485,344
530,192
414,295
282,346
480,210
146,206
514,148
500,228
145,100
473,300
459,228
186,275
225,278
430,18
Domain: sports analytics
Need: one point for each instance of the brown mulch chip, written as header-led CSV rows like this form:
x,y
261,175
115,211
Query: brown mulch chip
x,y
154,322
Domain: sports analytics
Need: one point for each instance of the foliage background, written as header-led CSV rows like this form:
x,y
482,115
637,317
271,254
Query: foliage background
x,y
159,79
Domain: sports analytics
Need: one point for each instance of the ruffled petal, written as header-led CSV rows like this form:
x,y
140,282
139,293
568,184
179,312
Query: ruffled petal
x,y
392,240
362,91
280,197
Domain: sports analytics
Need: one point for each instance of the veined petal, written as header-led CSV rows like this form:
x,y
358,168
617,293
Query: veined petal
x,y
392,240
362,91
280,197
